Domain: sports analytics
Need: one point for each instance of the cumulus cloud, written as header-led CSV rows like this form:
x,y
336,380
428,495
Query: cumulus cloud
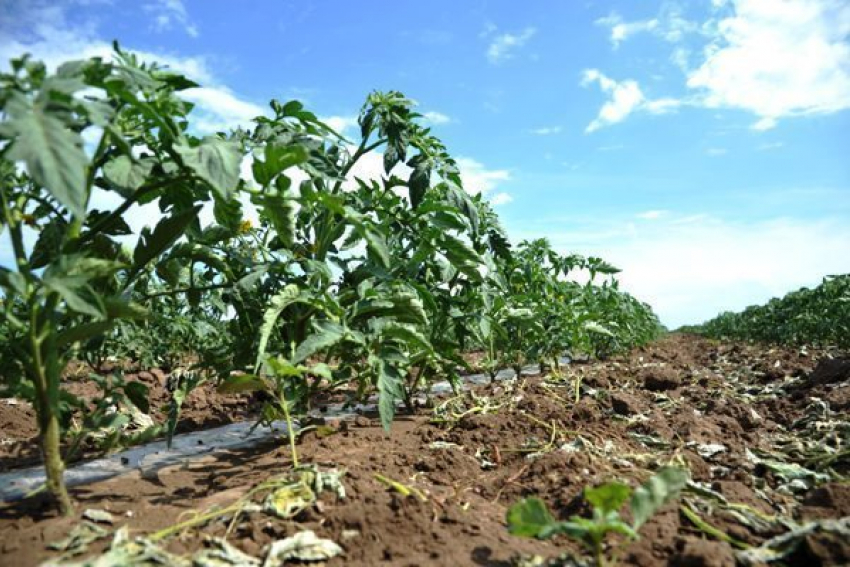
x,y
435,117
500,199
669,25
692,267
479,179
774,59
218,109
504,46
343,125
621,30
778,59
625,98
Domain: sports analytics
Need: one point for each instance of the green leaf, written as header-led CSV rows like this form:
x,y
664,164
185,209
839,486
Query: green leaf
x,y
52,152
529,517
608,497
377,245
279,210
284,298
250,281
49,243
595,327
83,332
406,333
418,184
577,528
278,159
153,243
390,386
76,294
227,212
663,487
242,383
322,370
127,173
326,334
214,160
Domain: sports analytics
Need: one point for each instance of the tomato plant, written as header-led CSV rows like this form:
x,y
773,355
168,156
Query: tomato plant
x,y
305,277
817,316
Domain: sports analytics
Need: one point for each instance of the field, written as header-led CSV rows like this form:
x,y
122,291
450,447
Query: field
x,y
416,388
760,429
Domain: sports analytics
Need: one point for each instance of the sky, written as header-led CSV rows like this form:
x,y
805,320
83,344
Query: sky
x,y
699,145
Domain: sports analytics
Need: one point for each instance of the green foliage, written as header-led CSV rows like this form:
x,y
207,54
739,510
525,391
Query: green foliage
x,y
378,284
531,518
818,316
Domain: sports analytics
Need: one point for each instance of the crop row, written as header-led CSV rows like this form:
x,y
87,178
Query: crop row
x,y
305,278
818,316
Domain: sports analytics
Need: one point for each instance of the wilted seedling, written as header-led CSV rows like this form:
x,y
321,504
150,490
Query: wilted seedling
x,y
531,517
283,385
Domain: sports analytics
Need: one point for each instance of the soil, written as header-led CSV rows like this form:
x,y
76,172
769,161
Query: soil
x,y
729,412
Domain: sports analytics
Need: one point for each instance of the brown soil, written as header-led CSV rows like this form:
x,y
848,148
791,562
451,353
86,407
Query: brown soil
x,y
671,402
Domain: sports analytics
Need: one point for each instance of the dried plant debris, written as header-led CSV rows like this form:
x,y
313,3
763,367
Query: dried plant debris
x,y
303,546
788,544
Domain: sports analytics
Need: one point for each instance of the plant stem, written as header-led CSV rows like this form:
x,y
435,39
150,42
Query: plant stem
x,y
289,431
173,292
54,467
44,371
48,421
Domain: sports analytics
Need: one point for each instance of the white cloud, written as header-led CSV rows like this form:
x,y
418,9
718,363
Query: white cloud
x,y
500,199
764,124
668,25
435,117
663,105
218,109
504,46
477,178
342,124
625,98
546,130
778,59
690,268
170,13
621,31
770,146
773,58
716,152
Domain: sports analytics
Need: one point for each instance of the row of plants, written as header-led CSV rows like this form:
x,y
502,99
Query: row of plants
x,y
817,316
305,279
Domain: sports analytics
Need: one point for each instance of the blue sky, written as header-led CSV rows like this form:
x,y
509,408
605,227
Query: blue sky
x,y
699,145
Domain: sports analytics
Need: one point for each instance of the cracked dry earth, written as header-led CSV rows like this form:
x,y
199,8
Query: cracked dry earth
x,y
763,431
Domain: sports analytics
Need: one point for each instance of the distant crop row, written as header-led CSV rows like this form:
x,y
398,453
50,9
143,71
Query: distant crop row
x,y
818,316
303,279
